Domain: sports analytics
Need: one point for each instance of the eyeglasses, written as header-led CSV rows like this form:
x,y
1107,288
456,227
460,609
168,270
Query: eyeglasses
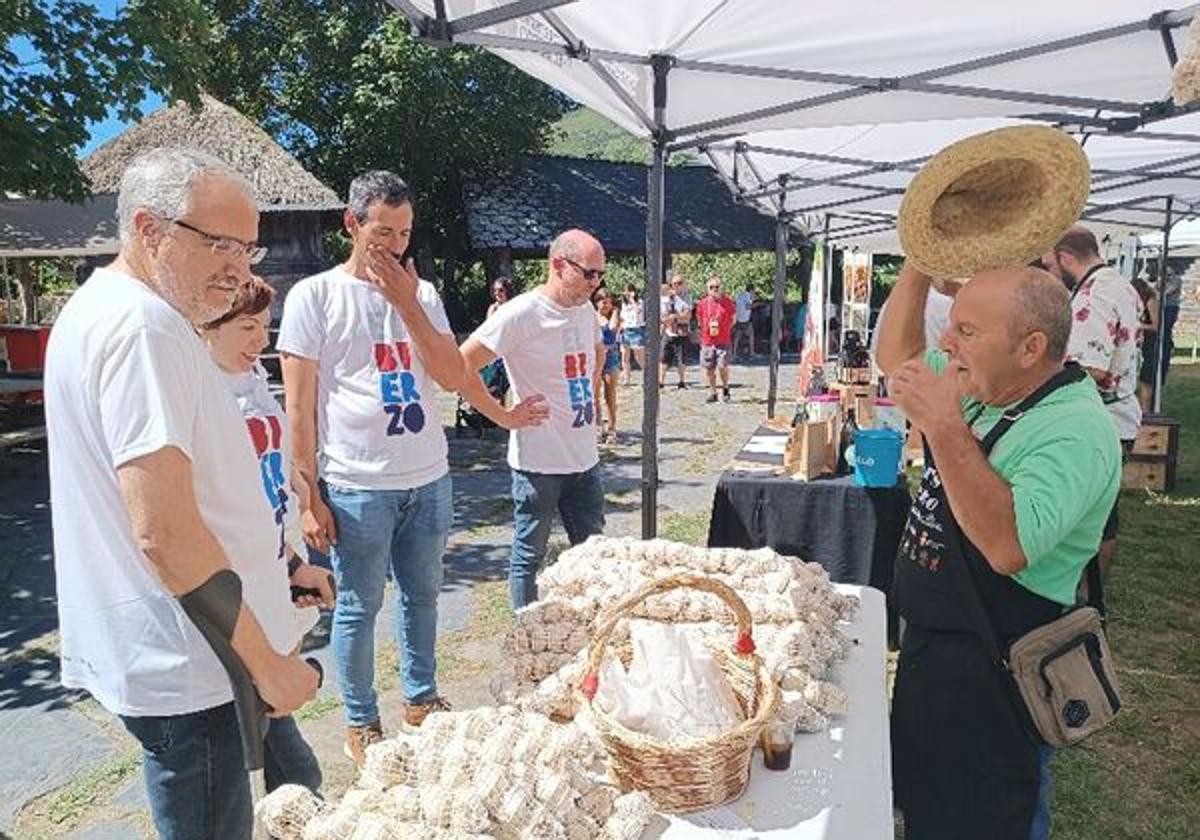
x,y
589,274
226,246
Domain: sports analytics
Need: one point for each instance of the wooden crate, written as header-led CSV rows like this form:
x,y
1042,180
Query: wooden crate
x,y
1154,459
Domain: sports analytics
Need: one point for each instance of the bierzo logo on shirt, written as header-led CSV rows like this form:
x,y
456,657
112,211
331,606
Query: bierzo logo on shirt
x,y
398,388
266,433
579,389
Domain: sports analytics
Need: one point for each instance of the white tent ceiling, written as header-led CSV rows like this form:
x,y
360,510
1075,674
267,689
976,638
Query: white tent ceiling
x,y
867,89
857,174
739,66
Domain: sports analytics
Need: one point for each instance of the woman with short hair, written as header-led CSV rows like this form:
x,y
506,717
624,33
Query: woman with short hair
x,y
235,341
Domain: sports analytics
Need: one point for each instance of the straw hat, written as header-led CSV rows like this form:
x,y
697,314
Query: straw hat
x,y
999,198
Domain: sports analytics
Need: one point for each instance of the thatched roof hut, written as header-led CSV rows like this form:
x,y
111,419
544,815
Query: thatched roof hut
x,y
296,208
280,182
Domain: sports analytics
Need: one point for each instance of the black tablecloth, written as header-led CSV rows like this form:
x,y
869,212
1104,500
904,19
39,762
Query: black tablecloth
x,y
854,532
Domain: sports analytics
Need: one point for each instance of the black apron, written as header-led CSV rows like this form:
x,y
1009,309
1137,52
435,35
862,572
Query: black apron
x,y
964,762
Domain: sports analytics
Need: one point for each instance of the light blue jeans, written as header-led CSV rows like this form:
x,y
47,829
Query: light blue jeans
x,y
577,497
405,530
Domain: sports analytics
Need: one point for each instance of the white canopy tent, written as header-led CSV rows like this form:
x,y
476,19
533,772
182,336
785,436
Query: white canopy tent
x,y
712,74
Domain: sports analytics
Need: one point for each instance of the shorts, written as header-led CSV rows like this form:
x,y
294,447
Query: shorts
x,y
713,356
633,336
612,360
674,347
1110,527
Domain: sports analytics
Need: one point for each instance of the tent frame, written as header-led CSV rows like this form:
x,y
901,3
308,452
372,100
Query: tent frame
x,y
440,30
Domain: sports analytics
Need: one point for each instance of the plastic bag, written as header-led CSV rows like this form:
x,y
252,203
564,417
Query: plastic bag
x,y
674,688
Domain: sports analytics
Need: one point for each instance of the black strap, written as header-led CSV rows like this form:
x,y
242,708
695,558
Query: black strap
x,y
976,612
1086,277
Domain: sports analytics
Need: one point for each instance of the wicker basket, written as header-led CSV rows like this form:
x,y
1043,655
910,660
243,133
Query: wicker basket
x,y
696,773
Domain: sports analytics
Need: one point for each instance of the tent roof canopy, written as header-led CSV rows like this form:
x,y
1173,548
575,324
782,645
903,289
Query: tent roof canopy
x,y
844,113
730,67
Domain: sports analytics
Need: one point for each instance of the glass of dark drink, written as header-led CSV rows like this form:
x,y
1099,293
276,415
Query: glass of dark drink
x,y
777,740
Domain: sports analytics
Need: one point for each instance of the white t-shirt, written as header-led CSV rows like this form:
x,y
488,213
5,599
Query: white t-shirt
x,y
742,301
268,429
378,426
674,305
633,315
550,351
126,376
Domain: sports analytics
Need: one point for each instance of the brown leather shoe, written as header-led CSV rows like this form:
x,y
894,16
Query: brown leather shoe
x,y
415,713
358,738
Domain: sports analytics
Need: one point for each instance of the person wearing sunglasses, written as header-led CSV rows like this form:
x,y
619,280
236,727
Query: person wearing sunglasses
x,y
156,493
550,340
502,293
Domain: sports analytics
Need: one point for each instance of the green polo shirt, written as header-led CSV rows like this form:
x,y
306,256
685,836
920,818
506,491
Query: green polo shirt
x,y
1062,460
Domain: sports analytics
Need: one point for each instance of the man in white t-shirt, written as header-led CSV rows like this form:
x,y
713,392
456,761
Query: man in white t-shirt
x,y
676,315
155,495
550,341
364,346
743,327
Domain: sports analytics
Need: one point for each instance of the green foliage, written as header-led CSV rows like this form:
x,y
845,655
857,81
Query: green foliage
x,y
345,87
583,133
75,64
754,270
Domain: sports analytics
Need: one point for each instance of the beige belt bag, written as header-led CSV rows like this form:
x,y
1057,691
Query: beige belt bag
x,y
1064,672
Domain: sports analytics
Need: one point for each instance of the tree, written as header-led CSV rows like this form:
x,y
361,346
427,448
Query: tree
x,y
345,87
63,65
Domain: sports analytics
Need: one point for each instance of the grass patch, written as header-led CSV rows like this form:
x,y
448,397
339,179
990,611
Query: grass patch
x,y
685,527
317,708
60,812
490,619
1141,777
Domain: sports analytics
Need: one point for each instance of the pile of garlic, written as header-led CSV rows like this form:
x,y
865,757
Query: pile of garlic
x,y
795,608
488,772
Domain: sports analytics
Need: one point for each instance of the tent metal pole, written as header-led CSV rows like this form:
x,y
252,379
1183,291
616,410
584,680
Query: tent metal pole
x,y
655,194
1162,305
782,223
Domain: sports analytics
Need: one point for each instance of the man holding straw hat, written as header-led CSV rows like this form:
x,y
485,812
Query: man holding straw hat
x,y
1022,466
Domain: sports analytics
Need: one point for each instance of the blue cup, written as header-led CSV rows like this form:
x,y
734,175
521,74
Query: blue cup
x,y
876,457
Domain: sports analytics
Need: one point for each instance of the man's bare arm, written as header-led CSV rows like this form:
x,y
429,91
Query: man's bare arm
x,y
902,332
158,493
300,379
530,411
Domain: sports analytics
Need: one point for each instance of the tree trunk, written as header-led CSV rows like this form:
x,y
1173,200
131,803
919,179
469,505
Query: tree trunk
x,y
28,287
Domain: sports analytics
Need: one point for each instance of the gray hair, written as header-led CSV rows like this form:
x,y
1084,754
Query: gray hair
x,y
377,185
1041,303
161,181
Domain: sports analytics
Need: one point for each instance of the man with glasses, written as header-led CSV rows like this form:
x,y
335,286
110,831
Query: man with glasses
x,y
716,313
551,344
156,494
676,319
365,346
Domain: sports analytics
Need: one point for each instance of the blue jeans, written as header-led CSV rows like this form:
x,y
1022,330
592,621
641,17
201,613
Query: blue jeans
x,y
1040,830
195,779
577,497
404,530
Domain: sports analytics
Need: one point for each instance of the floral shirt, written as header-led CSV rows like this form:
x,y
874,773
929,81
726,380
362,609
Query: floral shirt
x,y
1106,311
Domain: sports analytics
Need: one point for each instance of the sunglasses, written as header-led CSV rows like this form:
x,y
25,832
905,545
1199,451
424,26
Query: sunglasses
x,y
589,274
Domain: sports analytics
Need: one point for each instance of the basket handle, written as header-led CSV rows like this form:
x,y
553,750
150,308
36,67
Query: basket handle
x,y
744,646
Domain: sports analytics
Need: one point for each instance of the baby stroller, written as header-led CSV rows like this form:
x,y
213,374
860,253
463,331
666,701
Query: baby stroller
x,y
466,416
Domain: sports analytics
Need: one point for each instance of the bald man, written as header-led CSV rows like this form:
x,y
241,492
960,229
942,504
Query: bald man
x,y
550,341
1029,491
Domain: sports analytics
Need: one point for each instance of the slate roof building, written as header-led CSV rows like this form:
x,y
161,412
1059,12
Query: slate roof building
x,y
516,215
